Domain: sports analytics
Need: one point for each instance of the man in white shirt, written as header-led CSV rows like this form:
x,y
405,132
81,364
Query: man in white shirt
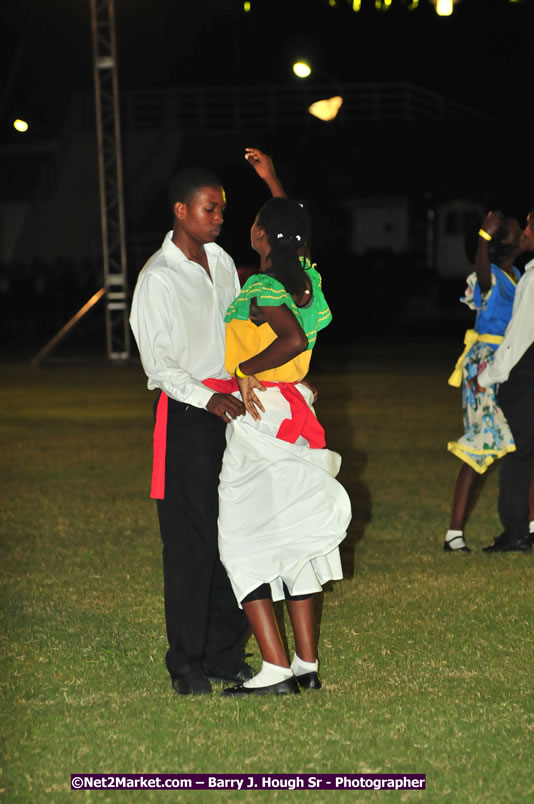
x,y
513,368
177,313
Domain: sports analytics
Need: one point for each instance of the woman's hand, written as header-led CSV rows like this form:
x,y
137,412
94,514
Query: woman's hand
x,y
476,387
250,400
492,221
263,165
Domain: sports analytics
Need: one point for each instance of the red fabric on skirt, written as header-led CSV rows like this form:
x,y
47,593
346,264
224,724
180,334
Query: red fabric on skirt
x,y
303,423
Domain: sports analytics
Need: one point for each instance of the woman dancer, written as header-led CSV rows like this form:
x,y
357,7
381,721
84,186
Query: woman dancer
x,y
282,514
490,291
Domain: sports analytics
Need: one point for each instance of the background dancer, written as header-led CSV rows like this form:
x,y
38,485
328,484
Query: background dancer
x,y
490,291
513,368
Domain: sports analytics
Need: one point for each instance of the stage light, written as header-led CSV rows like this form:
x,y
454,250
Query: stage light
x,y
20,125
302,69
327,108
356,5
444,7
246,6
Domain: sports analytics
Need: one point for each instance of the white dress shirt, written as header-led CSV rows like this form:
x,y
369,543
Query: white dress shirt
x,y
177,317
519,333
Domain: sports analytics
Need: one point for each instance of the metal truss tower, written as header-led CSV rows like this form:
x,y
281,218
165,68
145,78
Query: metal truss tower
x,y
111,179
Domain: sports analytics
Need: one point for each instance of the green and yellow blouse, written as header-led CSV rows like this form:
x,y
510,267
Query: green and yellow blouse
x,y
244,338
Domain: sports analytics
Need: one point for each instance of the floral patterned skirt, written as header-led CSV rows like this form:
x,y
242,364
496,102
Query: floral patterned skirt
x,y
487,435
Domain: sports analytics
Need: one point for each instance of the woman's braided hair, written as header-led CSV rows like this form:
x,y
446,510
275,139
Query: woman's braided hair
x,y
287,226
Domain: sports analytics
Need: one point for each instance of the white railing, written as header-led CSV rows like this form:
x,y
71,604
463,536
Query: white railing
x,y
233,109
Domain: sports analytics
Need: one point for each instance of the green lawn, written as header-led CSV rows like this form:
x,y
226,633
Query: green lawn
x,y
427,658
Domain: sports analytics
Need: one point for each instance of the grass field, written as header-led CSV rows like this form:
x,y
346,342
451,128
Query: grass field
x,y
427,658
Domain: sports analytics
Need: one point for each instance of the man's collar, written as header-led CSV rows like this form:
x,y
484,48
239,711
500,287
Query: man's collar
x,y
170,247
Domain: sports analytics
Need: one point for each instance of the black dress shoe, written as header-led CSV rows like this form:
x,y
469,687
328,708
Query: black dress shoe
x,y
243,673
287,687
448,549
194,683
505,545
498,541
309,681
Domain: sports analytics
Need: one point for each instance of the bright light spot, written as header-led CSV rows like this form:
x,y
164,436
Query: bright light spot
x,y
444,7
332,3
382,5
356,5
20,125
246,6
302,69
326,109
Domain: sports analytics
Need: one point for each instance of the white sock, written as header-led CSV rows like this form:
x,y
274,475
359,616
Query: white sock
x,y
301,667
269,674
531,527
457,539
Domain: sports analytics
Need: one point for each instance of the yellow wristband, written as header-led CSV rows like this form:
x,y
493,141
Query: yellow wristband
x,y
239,372
484,234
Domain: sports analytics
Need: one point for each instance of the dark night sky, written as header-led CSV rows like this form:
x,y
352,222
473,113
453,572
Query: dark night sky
x,y
481,56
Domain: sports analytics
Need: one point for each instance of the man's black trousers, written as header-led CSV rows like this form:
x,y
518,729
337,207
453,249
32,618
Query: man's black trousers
x,y
516,399
204,623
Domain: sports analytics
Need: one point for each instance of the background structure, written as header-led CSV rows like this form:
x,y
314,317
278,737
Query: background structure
x,y
435,128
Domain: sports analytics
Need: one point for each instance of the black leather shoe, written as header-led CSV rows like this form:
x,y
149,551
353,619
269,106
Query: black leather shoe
x,y
309,681
504,545
287,687
243,673
194,683
498,541
448,549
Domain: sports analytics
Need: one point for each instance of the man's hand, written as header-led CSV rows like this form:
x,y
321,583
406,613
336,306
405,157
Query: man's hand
x,y
312,388
226,406
252,402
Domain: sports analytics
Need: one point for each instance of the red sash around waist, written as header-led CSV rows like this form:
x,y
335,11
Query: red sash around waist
x,y
303,422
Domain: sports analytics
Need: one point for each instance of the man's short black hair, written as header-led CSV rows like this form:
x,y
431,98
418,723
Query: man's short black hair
x,y
187,181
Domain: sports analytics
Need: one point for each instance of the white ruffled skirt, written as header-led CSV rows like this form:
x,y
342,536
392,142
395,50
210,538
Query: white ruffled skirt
x,y
282,513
